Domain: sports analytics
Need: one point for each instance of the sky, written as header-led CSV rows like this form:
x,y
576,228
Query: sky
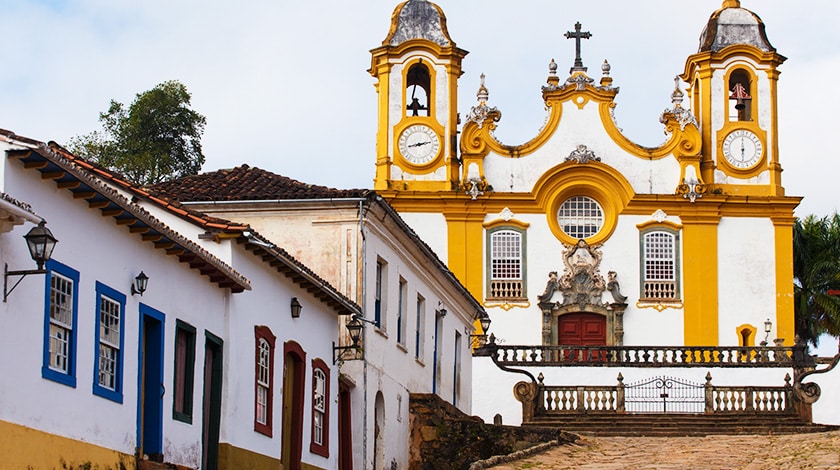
x,y
284,84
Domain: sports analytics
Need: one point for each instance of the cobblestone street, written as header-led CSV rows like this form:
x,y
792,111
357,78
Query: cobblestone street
x,y
798,451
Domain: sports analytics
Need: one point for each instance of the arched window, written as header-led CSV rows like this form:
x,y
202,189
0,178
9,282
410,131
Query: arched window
x,y
264,380
740,96
320,408
418,90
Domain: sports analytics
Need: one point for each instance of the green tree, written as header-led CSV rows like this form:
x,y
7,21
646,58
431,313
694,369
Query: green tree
x,y
157,138
816,271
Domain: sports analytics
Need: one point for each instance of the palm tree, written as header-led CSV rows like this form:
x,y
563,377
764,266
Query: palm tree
x,y
816,271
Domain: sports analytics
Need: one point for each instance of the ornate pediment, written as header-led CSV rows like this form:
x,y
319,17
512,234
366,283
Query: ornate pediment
x,y
581,283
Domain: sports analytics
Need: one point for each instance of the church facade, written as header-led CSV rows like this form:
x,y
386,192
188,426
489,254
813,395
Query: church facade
x,y
580,236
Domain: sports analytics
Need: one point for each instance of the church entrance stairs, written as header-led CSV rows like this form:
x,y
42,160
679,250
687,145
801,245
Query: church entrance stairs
x,y
672,425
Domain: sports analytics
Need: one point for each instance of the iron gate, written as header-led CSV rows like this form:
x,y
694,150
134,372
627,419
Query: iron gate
x,y
664,395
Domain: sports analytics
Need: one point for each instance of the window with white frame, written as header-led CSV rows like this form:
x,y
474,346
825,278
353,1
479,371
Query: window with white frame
x,y
506,258
60,328
320,408
580,217
110,305
264,380
660,265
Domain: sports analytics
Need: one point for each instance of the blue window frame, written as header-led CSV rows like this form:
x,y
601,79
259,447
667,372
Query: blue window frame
x,y
108,353
61,308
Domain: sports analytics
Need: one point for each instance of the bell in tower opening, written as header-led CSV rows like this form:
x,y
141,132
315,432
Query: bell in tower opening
x,y
418,83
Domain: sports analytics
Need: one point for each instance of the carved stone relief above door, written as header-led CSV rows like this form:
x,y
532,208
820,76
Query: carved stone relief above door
x,y
580,289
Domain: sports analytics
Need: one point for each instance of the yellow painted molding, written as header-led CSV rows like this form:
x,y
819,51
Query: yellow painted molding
x,y
785,324
477,139
700,280
685,141
506,306
660,306
656,223
594,179
499,222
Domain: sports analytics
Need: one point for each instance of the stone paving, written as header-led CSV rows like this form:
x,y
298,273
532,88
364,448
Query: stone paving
x,y
792,451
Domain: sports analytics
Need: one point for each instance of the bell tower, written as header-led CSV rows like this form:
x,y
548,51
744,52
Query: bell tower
x,y
416,70
733,90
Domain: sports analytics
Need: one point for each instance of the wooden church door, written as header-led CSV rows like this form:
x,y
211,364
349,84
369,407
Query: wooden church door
x,y
582,329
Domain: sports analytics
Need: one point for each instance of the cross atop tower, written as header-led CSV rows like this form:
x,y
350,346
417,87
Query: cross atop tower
x,y
577,35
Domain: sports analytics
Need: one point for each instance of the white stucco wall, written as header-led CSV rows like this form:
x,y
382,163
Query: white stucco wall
x,y
100,251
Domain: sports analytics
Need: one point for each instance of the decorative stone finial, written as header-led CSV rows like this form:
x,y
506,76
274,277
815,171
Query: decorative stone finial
x,y
677,96
552,68
731,4
606,80
483,94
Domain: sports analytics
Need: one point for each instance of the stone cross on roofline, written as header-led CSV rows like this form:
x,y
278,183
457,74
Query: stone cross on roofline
x,y
577,35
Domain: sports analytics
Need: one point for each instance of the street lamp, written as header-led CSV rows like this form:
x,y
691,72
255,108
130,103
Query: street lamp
x,y
484,320
354,327
41,244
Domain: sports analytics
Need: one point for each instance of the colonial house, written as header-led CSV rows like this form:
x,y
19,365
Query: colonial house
x,y
418,317
154,333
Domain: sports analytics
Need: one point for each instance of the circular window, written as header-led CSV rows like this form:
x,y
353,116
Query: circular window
x,y
580,217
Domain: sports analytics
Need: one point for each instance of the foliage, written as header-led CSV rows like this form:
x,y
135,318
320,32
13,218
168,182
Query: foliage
x,y
157,138
816,271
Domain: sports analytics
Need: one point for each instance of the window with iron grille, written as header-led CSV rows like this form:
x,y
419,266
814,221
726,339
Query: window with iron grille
x,y
580,217
320,408
110,305
660,265
506,248
264,379
60,325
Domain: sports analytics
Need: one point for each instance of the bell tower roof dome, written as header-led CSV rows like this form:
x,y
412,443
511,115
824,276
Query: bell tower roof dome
x,y
732,24
418,19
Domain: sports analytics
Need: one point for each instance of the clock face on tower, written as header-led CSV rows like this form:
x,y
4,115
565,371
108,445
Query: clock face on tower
x,y
742,149
419,144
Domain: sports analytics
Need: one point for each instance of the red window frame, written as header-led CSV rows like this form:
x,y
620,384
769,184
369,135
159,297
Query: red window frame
x,y
322,449
263,332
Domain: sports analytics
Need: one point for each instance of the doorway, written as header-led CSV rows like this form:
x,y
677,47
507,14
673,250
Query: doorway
x,y
294,359
212,407
582,329
379,432
150,386
345,429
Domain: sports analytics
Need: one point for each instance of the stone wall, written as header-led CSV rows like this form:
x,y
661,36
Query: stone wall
x,y
442,437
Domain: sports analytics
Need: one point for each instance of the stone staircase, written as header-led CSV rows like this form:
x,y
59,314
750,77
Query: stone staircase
x,y
672,425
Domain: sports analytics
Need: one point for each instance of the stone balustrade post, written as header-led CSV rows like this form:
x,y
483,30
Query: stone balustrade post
x,y
710,394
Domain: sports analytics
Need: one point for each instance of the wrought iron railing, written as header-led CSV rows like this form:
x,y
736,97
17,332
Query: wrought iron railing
x,y
647,356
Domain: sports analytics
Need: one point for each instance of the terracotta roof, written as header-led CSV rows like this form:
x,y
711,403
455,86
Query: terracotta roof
x,y
116,179
245,183
85,182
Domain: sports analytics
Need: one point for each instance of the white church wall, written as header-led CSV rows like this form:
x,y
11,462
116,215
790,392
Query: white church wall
x,y
747,280
431,228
